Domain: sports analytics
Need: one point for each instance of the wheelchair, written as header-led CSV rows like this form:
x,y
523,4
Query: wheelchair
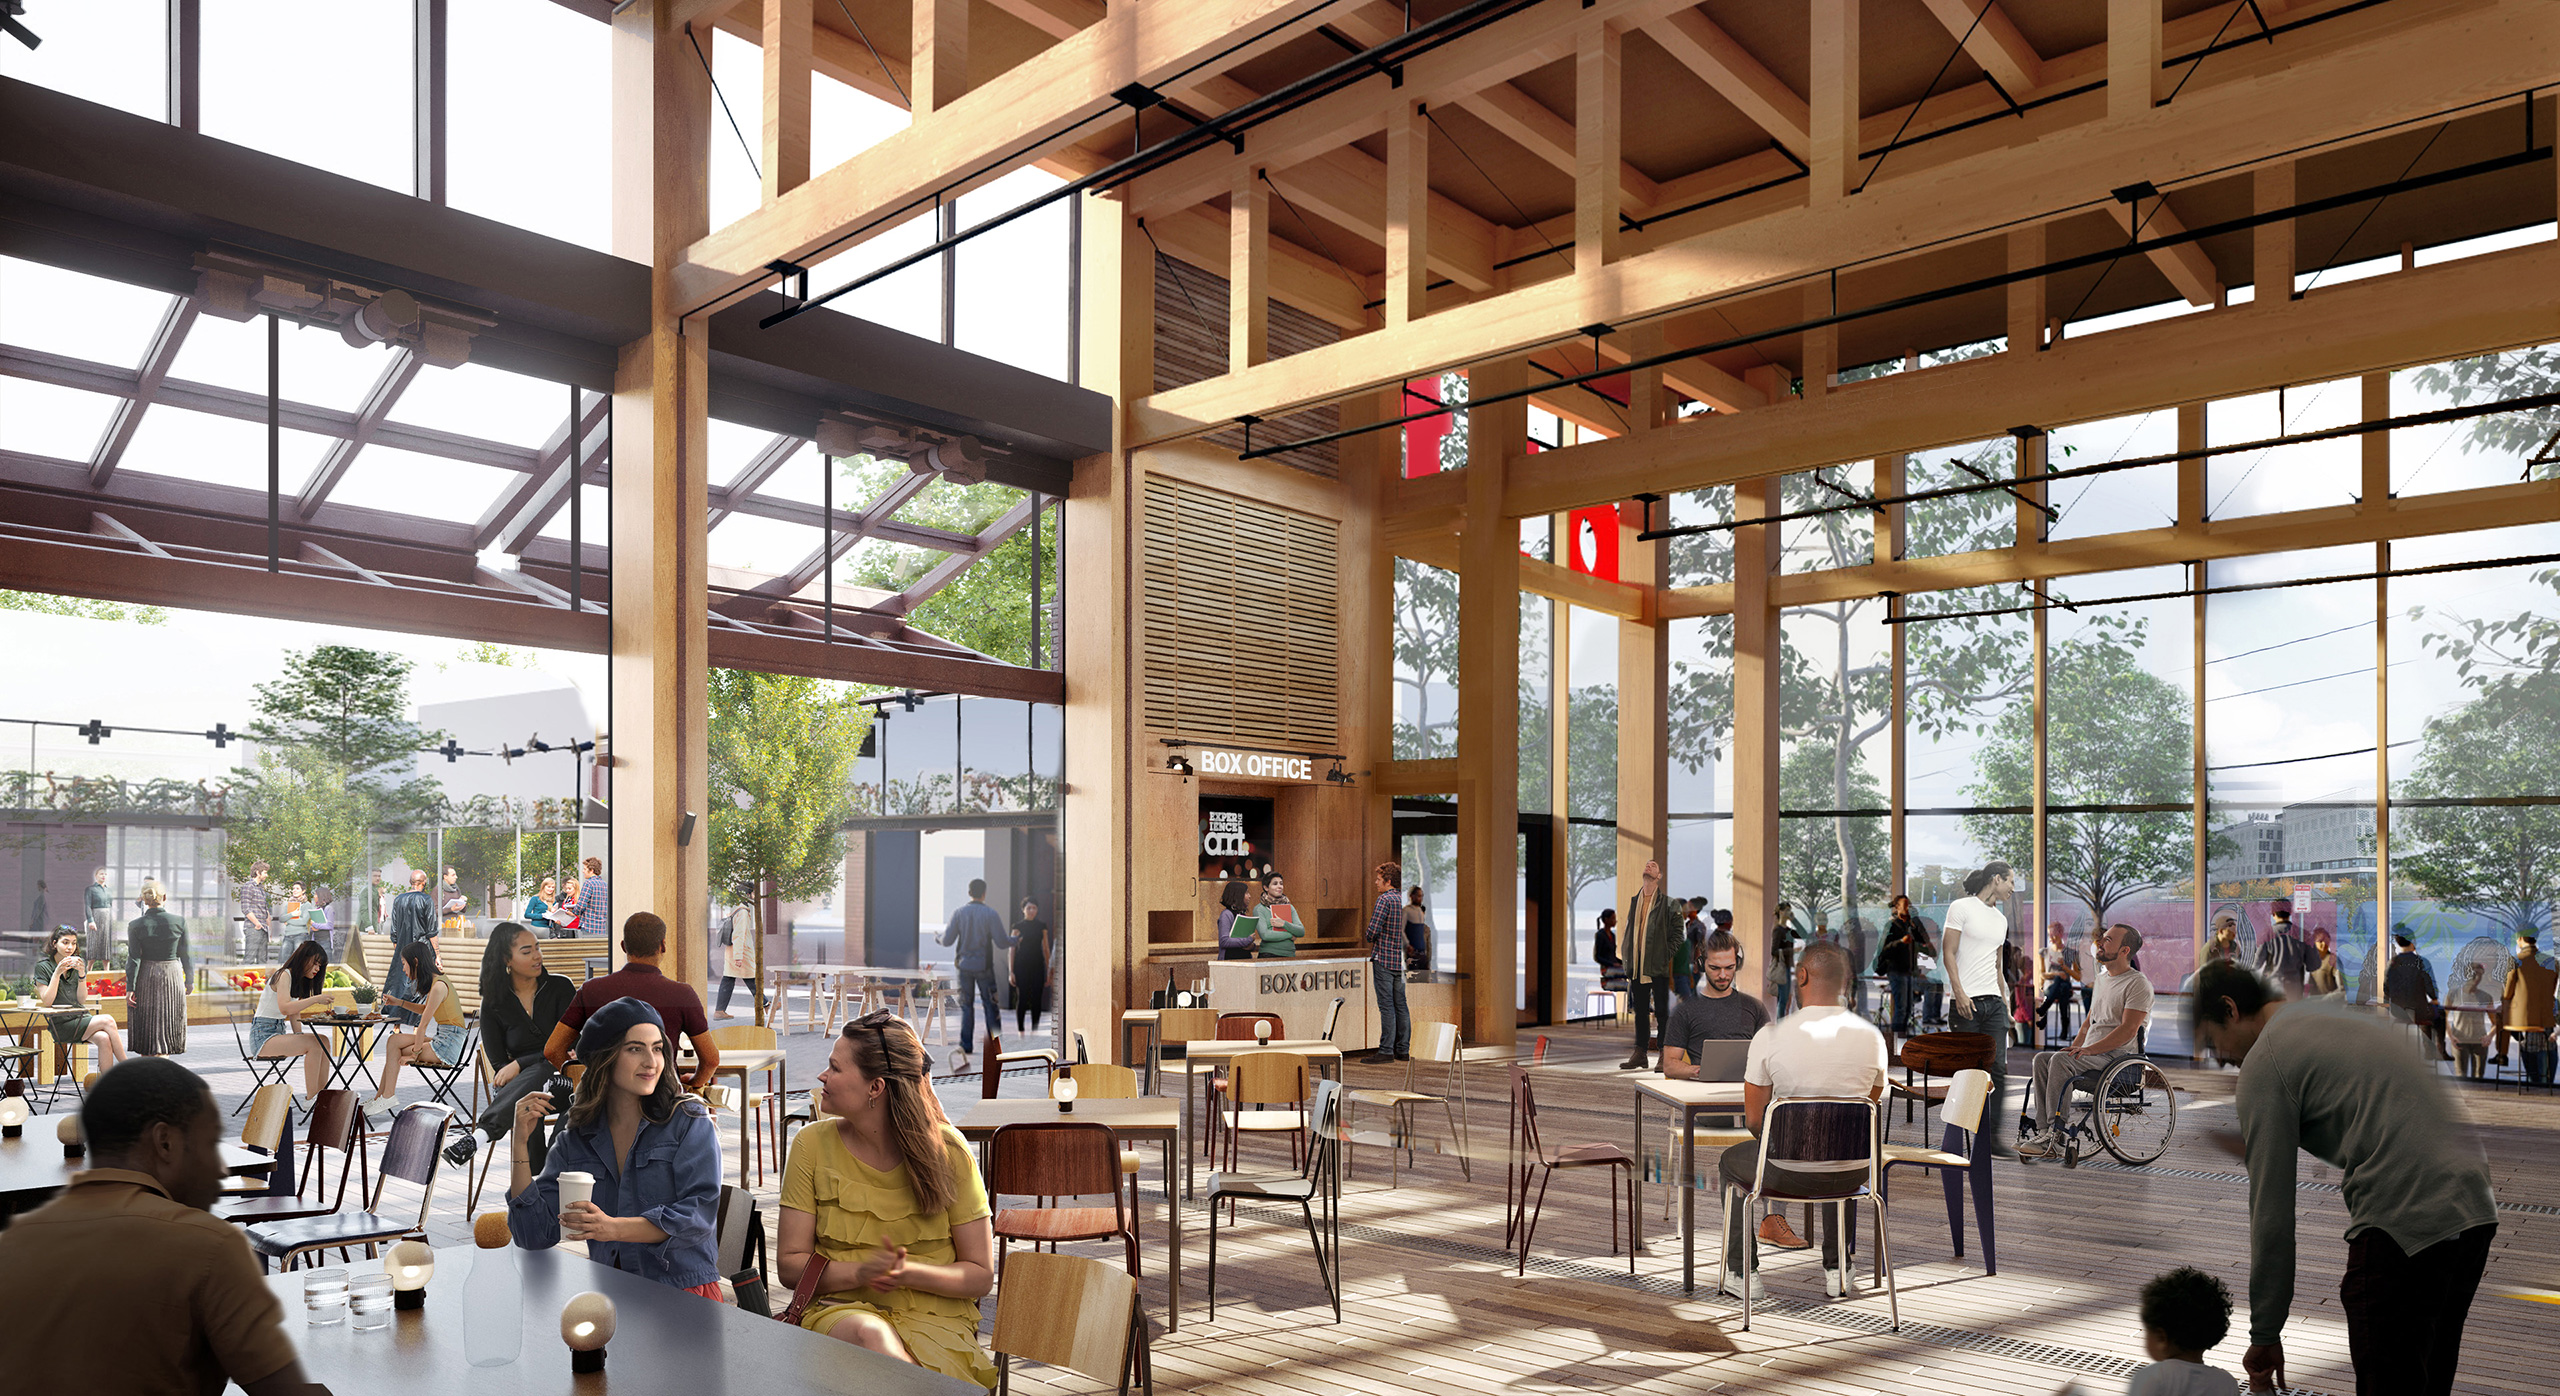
x,y
2129,1109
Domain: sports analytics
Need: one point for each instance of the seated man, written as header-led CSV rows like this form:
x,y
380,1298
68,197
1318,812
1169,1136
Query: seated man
x,y
132,1284
644,944
1715,1013
1821,1049
2116,1015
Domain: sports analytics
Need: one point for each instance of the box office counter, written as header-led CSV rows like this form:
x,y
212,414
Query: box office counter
x,y
1302,991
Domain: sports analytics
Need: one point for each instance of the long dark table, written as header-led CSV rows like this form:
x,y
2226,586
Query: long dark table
x,y
664,1339
32,1167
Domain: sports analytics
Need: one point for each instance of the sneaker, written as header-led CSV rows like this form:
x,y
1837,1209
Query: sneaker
x,y
1838,1284
1774,1231
1404,1056
459,1152
2040,1147
1732,1286
381,1107
1379,1059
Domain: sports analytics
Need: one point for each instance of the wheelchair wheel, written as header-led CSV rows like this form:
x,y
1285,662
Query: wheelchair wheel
x,y
2136,1112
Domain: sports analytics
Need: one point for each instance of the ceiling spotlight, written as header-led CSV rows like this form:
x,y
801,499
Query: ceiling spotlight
x,y
379,319
1338,775
960,459
1178,762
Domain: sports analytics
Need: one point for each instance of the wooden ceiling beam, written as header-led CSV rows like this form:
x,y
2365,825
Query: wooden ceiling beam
x,y
1992,41
2186,265
1725,65
838,55
1059,19
787,84
1299,278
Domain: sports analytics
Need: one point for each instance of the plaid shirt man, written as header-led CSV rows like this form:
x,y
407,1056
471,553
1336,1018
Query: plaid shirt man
x,y
1386,934
256,905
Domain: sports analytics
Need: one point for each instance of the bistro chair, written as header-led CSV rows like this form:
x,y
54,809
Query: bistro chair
x,y
1174,1028
1529,1153
762,1109
270,1107
1932,1055
1320,1178
1967,1096
598,964
1073,1312
1436,1043
1819,1129
1332,1020
1058,1158
262,1070
1082,1055
412,1154
1267,1094
332,1126
738,1247
1105,1081
997,1060
1236,1027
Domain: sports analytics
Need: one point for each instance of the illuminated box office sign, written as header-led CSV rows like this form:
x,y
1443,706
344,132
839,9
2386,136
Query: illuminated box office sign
x,y
1212,761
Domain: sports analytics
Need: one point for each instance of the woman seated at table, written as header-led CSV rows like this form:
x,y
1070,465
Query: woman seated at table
x,y
435,1004
275,1026
537,908
63,972
887,1197
652,1150
520,1003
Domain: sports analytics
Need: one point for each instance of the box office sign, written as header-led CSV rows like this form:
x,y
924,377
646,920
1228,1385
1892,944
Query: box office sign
x,y
1235,838
1311,981
1254,765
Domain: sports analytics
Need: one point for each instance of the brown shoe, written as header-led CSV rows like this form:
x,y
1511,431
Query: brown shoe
x,y
1774,1231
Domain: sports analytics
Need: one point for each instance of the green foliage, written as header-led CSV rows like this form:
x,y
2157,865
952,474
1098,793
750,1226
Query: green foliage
x,y
782,752
1426,643
987,607
336,756
486,652
48,604
306,821
1591,787
1837,862
2500,861
2492,377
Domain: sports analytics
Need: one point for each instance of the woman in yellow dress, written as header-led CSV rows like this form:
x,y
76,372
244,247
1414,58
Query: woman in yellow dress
x,y
887,1196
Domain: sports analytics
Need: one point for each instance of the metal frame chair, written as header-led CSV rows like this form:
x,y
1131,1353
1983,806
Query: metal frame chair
x,y
1058,1158
1437,1043
413,1153
1234,1027
1968,1095
270,1108
263,1071
1073,1312
1820,1129
334,1117
1528,1153
1319,1178
1267,1079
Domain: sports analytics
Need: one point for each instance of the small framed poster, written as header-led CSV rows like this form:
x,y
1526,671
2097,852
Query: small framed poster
x,y
1235,838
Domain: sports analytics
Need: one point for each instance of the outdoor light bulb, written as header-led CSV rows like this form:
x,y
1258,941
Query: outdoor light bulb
x,y
1262,1032
68,1131
586,1325
13,1116
410,1265
1065,1093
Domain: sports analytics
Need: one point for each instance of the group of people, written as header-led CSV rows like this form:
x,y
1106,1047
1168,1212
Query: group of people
x,y
2518,1017
978,938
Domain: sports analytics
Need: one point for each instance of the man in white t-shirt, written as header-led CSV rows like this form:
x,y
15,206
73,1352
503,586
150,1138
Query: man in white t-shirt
x,y
2116,1015
1821,1049
1976,991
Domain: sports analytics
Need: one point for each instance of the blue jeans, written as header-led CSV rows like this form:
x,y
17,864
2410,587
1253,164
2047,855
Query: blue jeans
x,y
975,988
1906,987
1395,1019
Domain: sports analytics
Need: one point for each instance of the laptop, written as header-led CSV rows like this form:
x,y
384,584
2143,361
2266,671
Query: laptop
x,y
1723,1059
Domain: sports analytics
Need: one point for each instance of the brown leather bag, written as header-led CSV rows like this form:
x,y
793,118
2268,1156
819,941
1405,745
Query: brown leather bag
x,y
812,1275
1946,1053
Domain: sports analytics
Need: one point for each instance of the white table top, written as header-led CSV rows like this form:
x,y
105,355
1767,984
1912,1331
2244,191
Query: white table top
x,y
1664,1089
1230,1046
872,971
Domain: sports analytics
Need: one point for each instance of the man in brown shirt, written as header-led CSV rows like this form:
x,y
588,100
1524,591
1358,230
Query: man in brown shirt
x,y
185,1309
2525,1006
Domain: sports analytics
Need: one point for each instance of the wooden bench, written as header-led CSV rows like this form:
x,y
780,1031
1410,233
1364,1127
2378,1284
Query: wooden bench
x,y
370,956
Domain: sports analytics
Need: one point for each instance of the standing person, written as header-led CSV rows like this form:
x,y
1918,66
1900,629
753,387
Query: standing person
x,y
975,934
155,1007
2060,967
435,1004
520,1003
1783,938
413,919
257,906
1974,934
452,904
595,903
2323,1079
2409,987
1031,967
2284,953
1693,935
651,1149
1653,930
1281,928
2325,980
2524,1004
275,1026
644,945
2225,944
1906,940
63,972
1604,947
886,1196
1239,929
1386,967
729,972
323,924
1418,930
2116,1015
297,920
1821,1049
190,1311
101,918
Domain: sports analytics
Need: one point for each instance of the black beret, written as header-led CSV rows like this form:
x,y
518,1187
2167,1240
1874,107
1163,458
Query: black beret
x,y
605,1028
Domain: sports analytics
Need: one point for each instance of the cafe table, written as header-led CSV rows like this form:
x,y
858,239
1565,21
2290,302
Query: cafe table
x,y
1133,1018
664,1339
743,1063
31,1022
32,1166
1142,1119
1686,1100
836,975
353,1034
1323,1055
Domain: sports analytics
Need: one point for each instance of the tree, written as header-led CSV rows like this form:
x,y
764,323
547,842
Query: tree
x,y
1836,863
2115,734
48,604
1426,648
2499,861
337,755
782,751
1591,786
987,608
304,820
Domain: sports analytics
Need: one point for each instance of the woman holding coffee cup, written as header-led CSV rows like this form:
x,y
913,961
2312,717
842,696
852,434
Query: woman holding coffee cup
x,y
635,1171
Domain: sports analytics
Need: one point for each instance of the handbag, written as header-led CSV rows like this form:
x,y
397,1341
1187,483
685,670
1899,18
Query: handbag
x,y
812,1275
754,1294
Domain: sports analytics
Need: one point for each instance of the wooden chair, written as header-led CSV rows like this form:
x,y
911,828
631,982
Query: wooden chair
x,y
1236,1027
1266,1093
1105,1081
1529,1153
1058,1158
1319,1179
1967,1096
1932,1055
994,1060
1820,1129
763,1108
270,1106
1174,1027
1073,1312
333,1125
412,1154
1438,1043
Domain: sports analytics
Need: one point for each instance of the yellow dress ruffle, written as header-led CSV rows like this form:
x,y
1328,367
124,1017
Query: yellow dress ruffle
x,y
857,1208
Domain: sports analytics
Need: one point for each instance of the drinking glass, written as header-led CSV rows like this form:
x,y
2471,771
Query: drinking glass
x,y
369,1299
324,1296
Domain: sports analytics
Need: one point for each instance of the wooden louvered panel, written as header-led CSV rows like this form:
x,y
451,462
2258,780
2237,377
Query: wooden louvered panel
x,y
1191,345
1242,619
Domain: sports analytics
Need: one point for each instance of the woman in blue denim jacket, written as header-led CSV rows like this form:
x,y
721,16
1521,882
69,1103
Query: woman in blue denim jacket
x,y
652,1150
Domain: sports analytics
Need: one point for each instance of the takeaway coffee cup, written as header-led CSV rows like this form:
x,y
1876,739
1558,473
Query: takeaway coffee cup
x,y
575,1187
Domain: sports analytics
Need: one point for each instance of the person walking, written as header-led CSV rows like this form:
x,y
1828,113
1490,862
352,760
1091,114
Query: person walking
x,y
156,983
1031,967
2225,944
257,908
2284,953
2326,980
2114,1025
1906,940
1653,932
1784,936
1975,932
2320,1078
413,919
101,908
2409,987
2062,977
975,934
1385,934
2525,1004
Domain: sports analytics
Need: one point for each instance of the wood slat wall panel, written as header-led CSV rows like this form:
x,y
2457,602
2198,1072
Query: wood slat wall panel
x,y
1243,619
1191,344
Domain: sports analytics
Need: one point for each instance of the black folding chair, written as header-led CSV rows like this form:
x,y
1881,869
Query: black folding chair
x,y
1319,1180
263,1071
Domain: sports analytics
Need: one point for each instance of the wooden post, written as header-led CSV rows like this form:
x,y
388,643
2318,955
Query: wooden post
x,y
788,36
1644,706
1597,194
2381,755
2133,57
2272,250
2026,298
1408,213
1489,709
1756,661
1834,133
660,631
1248,272
2191,508
939,56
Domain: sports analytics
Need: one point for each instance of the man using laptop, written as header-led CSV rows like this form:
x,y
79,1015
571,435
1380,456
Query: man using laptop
x,y
1716,1014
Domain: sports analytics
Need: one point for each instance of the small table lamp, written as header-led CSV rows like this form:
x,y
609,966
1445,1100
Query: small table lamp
x,y
13,1116
410,1264
1065,1094
68,1131
1262,1033
586,1325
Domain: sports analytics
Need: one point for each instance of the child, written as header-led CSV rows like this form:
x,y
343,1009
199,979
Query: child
x,y
2184,1312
